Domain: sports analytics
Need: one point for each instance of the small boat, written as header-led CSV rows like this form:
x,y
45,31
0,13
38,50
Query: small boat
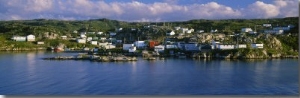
x,y
58,49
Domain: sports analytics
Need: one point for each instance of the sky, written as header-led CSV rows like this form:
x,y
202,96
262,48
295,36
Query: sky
x,y
147,10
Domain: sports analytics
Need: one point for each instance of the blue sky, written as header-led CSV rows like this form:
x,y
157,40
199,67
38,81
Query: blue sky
x,y
147,10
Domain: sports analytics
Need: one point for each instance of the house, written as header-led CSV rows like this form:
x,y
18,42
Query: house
x,y
132,49
110,46
140,44
177,28
127,46
200,31
120,29
257,45
184,30
102,38
239,46
82,35
63,37
189,31
119,41
273,31
112,33
95,38
99,33
152,44
267,25
107,45
75,31
282,28
18,38
246,30
214,44
94,42
170,46
170,33
180,45
191,47
89,39
83,41
213,31
40,43
30,38
225,47
159,48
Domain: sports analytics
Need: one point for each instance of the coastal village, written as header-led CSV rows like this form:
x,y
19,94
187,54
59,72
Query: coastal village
x,y
176,41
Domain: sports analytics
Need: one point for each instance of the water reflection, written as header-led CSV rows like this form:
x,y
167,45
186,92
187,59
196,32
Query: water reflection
x,y
168,77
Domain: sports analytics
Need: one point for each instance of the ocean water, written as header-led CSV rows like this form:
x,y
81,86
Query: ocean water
x,y
25,73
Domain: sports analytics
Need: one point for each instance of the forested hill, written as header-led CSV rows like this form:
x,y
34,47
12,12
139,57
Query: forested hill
x,y
25,27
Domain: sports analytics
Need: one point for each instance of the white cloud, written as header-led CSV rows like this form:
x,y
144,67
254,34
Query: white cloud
x,y
260,9
288,8
279,8
167,10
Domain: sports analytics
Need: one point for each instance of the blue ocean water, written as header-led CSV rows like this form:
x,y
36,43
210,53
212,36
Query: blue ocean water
x,y
25,73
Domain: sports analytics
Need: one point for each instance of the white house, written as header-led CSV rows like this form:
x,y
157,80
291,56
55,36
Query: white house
x,y
82,35
213,31
40,43
75,31
110,46
63,37
246,30
94,42
200,31
267,25
127,46
159,48
83,41
99,33
257,45
273,31
132,49
30,38
18,38
120,29
107,45
170,33
140,44
177,28
184,30
189,31
224,47
89,39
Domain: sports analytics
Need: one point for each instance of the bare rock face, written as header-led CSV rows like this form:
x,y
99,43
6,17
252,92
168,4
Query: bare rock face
x,y
274,43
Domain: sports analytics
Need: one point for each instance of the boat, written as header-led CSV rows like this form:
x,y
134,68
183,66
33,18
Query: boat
x,y
58,49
